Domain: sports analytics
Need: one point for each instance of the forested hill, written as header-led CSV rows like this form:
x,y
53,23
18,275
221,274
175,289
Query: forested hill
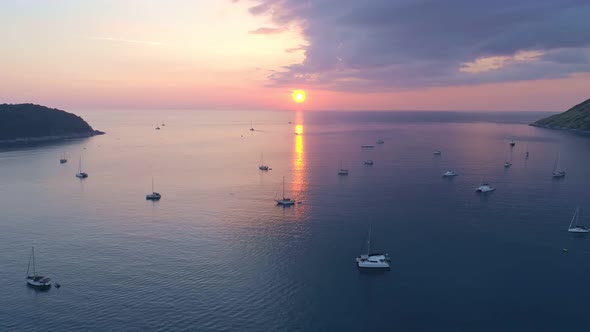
x,y
576,118
21,122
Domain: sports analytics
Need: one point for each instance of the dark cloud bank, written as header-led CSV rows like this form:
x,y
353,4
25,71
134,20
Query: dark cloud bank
x,y
384,44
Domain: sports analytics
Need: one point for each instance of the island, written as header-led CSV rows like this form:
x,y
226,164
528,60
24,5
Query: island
x,y
576,119
30,123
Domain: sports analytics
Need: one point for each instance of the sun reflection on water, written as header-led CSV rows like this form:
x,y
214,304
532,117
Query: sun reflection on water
x,y
299,184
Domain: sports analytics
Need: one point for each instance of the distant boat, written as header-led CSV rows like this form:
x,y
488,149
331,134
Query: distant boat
x,y
34,279
342,171
369,162
154,196
526,154
372,260
365,146
507,164
163,124
437,153
251,126
81,174
285,201
380,141
574,227
449,173
157,127
558,173
512,143
484,188
63,159
262,166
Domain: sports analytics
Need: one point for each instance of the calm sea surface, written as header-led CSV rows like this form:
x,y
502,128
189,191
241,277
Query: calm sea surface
x,y
217,254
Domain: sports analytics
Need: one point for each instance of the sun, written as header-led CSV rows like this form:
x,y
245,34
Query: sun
x,y
298,96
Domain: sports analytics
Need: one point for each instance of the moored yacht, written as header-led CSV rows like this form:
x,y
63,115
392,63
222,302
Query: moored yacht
x,y
262,166
512,143
574,227
369,162
380,141
367,146
342,171
63,159
437,153
372,260
285,201
556,172
34,279
80,174
507,164
449,173
485,188
154,196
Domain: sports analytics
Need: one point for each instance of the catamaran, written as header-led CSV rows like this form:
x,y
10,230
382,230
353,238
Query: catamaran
x,y
558,173
285,201
36,280
574,227
80,174
372,260
154,196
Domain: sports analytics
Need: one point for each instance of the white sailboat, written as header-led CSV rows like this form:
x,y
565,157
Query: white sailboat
x,y
34,279
154,196
574,227
285,201
556,172
437,153
372,260
80,174
262,166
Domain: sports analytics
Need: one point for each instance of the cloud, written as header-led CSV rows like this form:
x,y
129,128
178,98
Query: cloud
x,y
143,42
396,44
267,31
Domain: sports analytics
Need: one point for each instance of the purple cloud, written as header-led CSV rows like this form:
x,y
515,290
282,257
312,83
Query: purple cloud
x,y
385,44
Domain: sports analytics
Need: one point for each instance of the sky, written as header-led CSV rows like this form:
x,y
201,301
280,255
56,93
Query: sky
x,y
251,54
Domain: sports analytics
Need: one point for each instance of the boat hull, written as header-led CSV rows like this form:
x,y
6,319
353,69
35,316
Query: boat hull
x,y
578,230
285,202
81,175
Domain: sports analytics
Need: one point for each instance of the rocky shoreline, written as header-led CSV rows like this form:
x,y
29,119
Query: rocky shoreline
x,y
43,139
577,131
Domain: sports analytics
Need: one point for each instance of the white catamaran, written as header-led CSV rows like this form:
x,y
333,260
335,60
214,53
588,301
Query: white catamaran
x,y
574,227
557,173
373,260
285,201
34,279
81,174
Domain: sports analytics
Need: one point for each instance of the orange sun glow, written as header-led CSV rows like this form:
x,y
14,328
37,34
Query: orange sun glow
x,y
298,96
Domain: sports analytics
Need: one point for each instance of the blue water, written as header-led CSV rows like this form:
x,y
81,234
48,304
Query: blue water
x,y
216,254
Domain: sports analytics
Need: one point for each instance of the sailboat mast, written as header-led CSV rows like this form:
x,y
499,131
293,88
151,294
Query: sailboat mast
x,y
34,268
369,241
80,165
574,217
152,184
283,188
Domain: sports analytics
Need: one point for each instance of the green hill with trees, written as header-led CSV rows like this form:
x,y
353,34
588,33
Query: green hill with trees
x,y
30,122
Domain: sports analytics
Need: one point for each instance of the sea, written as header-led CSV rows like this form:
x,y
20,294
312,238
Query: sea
x,y
217,254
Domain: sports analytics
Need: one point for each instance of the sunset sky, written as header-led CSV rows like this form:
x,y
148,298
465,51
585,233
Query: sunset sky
x,y
251,54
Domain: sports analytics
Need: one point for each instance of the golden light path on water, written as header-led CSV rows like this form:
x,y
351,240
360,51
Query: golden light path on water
x,y
299,184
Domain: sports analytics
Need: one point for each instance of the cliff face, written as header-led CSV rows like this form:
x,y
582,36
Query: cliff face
x,y
19,122
576,118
